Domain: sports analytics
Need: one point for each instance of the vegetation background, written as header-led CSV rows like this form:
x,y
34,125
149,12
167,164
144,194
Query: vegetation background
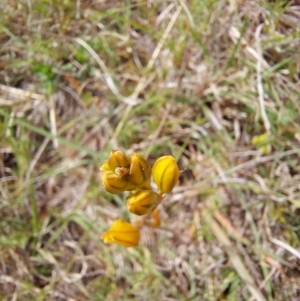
x,y
214,83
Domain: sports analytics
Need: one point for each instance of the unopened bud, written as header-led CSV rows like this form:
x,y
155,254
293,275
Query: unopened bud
x,y
140,170
165,173
142,202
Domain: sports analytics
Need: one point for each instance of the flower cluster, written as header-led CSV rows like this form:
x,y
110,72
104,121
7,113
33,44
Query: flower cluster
x,y
122,173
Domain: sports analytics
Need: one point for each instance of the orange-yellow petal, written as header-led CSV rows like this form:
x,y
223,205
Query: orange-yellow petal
x,y
118,159
122,233
113,183
140,170
104,166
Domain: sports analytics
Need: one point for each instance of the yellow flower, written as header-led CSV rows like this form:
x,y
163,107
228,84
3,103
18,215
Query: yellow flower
x,y
122,233
115,173
113,183
118,159
140,170
165,173
142,202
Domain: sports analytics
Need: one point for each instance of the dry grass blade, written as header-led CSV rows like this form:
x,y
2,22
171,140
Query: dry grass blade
x,y
141,84
53,121
286,247
259,82
233,255
108,79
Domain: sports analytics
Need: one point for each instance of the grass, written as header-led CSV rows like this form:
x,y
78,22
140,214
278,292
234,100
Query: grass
x,y
213,83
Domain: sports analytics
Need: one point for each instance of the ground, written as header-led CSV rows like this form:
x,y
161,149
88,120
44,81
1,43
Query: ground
x,y
214,84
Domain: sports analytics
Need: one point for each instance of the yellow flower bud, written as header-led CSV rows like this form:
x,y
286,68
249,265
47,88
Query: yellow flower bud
x,y
140,170
117,159
113,183
122,233
165,173
142,202
115,173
